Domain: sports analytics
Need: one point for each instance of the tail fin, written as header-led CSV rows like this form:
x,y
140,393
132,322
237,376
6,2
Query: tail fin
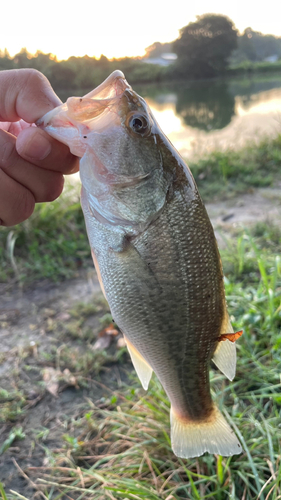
x,y
190,439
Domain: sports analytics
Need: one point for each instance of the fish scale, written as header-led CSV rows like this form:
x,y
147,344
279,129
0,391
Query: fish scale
x,y
171,304
156,256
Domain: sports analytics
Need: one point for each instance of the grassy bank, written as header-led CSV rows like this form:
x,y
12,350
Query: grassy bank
x,y
120,448
224,174
254,68
53,243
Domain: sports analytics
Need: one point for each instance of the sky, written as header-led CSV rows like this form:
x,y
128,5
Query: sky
x,y
118,29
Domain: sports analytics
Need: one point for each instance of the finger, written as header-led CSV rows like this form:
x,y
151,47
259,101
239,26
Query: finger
x,y
16,202
43,184
25,93
38,147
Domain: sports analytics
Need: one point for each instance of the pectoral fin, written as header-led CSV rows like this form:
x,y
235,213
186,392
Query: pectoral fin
x,y
144,371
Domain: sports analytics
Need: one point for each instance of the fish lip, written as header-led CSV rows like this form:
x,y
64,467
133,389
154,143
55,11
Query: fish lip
x,y
115,80
45,120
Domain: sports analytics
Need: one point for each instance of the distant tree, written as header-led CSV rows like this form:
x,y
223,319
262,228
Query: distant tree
x,y
254,46
61,75
157,49
6,61
23,59
204,46
103,62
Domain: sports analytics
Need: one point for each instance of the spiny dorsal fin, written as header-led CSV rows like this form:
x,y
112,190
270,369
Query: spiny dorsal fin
x,y
143,369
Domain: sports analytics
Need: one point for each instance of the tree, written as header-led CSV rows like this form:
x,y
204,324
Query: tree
x,y
204,46
157,49
255,46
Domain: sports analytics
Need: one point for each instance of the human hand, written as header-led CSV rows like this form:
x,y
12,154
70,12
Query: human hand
x,y
32,163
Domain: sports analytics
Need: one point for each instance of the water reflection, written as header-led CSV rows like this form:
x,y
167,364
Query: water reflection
x,y
207,107
211,115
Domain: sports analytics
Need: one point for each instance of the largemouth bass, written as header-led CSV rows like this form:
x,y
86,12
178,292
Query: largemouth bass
x,y
156,256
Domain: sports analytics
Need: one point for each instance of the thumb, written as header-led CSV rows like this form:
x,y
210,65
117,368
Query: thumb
x,y
26,94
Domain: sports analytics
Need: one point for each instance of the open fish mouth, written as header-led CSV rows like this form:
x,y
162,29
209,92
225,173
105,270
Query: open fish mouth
x,y
78,116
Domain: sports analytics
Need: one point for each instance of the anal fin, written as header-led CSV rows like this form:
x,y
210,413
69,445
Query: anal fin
x,y
225,358
225,353
143,369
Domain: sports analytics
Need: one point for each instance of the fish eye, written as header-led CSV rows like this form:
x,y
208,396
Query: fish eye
x,y
139,124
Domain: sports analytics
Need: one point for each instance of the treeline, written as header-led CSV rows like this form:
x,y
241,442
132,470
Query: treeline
x,y
81,72
207,48
254,46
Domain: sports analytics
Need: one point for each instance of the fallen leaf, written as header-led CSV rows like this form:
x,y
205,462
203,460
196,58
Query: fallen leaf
x,y
109,330
51,379
69,378
105,338
121,343
102,343
63,316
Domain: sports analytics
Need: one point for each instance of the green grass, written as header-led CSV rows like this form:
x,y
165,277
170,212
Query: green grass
x,y
121,450
224,174
249,67
51,244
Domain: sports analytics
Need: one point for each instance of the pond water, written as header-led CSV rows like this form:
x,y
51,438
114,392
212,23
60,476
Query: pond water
x,y
201,116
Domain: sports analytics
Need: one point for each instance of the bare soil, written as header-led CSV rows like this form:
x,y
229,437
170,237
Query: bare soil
x,y
41,329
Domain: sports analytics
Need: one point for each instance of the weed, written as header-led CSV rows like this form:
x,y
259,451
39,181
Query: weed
x,y
15,433
12,405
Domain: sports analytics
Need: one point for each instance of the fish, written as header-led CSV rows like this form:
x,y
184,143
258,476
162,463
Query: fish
x,y
156,256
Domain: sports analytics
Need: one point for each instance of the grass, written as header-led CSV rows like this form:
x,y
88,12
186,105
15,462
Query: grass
x,y
65,344
120,449
51,244
224,174
249,67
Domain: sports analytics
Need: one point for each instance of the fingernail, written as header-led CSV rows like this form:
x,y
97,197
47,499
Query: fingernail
x,y
36,147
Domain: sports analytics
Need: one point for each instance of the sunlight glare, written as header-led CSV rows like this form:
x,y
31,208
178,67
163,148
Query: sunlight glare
x,y
114,29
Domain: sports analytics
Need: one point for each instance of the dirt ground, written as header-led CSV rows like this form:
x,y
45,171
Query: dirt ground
x,y
52,327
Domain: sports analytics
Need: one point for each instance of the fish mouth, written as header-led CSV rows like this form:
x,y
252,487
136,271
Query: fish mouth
x,y
113,86
78,116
